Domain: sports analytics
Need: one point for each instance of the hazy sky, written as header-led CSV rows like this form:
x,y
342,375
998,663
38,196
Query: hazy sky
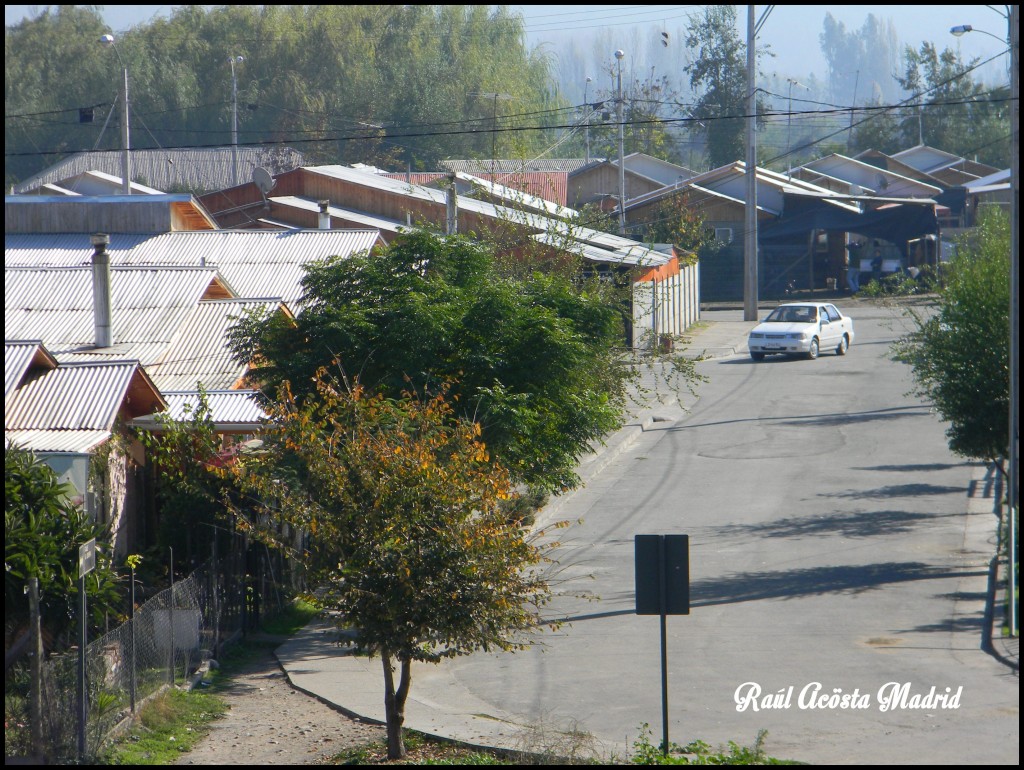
x,y
791,30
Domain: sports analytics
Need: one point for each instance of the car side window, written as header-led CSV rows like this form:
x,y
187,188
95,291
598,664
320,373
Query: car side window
x,y
833,314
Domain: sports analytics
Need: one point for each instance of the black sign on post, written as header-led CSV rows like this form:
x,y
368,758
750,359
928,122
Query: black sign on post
x,y
662,560
663,588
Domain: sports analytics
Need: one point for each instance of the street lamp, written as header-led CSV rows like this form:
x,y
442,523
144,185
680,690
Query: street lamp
x,y
107,41
622,168
962,29
234,117
1013,477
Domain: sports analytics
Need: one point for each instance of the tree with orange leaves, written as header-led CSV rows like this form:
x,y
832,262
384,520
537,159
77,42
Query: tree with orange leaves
x,y
404,536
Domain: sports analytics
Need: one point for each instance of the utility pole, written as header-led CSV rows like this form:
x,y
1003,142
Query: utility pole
x,y
234,119
750,236
586,125
622,168
1013,495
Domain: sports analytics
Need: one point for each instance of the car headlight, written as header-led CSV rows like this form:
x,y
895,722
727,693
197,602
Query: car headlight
x,y
798,336
756,335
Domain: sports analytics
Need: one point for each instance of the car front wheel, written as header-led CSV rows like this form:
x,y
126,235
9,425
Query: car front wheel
x,y
812,351
757,356
844,345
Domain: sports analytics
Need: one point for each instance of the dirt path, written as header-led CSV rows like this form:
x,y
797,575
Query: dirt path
x,y
271,723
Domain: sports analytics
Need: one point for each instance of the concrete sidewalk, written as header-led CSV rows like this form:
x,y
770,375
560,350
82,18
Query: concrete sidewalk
x,y
439,705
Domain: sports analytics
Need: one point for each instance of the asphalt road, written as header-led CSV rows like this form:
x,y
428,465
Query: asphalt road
x,y
829,543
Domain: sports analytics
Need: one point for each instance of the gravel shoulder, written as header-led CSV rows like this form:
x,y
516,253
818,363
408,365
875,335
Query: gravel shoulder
x,y
269,722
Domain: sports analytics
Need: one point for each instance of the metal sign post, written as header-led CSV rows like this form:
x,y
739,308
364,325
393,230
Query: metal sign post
x,y
663,588
86,564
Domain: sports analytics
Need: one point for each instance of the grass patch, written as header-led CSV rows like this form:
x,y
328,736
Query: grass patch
x,y
293,618
701,753
169,725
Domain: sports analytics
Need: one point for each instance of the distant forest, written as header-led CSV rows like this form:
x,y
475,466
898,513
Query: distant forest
x,y
405,86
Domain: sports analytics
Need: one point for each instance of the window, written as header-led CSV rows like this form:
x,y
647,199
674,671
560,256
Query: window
x,y
723,234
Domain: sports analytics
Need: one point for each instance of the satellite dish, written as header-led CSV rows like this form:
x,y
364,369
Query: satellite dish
x,y
883,183
263,180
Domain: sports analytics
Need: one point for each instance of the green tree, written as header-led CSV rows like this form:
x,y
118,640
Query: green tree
x,y
957,114
960,353
42,532
381,84
719,74
536,359
190,488
407,538
675,220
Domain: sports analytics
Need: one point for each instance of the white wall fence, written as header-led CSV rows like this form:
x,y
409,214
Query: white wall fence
x,y
665,308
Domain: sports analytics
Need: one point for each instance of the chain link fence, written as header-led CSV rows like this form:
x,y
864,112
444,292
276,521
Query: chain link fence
x,y
164,643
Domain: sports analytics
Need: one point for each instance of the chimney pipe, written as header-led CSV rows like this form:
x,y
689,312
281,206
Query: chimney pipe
x,y
452,207
325,218
101,291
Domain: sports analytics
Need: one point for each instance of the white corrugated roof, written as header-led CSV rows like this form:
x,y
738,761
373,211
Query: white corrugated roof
x,y
228,408
148,306
199,352
64,441
19,356
71,397
256,263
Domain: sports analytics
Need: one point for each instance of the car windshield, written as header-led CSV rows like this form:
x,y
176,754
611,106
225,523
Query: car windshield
x,y
801,315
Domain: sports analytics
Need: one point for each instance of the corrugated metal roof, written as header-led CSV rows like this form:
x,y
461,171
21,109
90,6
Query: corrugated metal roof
x,y
199,352
336,212
636,255
512,166
551,186
19,356
148,305
226,406
65,249
200,169
256,263
65,441
71,397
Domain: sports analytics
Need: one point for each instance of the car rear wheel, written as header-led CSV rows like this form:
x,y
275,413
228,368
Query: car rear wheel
x,y
757,356
844,345
812,351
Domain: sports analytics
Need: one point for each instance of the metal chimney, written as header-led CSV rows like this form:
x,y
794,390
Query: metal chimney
x,y
101,291
324,222
452,207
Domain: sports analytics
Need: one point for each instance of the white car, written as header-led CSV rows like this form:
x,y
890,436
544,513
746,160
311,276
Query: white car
x,y
801,328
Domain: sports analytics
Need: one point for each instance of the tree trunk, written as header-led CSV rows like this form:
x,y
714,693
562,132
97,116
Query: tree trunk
x,y
394,704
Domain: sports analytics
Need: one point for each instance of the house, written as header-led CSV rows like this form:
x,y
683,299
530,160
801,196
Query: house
x,y
74,417
169,314
598,182
845,175
949,169
345,194
803,228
